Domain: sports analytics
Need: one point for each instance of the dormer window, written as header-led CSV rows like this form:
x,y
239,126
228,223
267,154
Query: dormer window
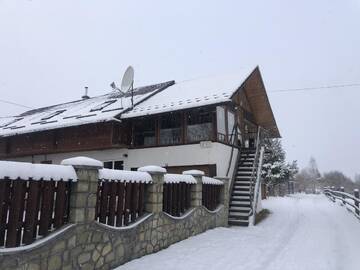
x,y
53,114
103,105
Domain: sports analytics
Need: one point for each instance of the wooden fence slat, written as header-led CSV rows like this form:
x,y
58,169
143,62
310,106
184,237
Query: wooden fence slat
x,y
165,197
98,202
120,204
15,214
134,201
104,201
141,198
46,207
60,207
4,206
32,212
174,199
128,189
112,203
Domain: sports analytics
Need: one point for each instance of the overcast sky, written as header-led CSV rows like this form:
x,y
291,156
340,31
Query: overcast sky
x,y
50,50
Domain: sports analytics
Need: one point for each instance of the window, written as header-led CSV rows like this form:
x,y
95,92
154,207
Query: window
x,y
231,126
115,165
199,125
53,114
220,122
144,132
103,105
170,129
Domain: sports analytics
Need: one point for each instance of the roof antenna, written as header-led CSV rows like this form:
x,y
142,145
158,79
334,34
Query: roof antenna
x,y
86,93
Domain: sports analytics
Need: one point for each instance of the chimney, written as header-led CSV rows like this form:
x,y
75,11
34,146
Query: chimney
x,y
86,93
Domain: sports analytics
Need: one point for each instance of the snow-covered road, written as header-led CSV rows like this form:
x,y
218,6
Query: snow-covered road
x,y
302,232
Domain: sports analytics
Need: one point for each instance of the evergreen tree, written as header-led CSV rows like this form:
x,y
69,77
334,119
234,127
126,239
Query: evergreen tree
x,y
275,169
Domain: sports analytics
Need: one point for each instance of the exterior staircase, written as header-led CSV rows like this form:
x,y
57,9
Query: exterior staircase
x,y
240,207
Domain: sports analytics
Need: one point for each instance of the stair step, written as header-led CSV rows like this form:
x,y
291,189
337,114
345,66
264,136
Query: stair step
x,y
240,198
235,222
243,177
239,208
237,217
240,203
243,192
238,214
245,168
242,183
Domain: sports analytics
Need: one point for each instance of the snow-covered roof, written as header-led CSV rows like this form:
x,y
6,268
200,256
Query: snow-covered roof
x,y
93,110
191,93
25,171
124,176
172,178
211,181
148,100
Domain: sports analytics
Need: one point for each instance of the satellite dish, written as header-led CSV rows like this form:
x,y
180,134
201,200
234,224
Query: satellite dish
x,y
127,80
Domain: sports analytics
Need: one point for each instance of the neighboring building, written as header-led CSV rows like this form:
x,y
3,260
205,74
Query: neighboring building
x,y
195,124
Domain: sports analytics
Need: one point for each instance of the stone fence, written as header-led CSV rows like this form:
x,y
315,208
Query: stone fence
x,y
84,243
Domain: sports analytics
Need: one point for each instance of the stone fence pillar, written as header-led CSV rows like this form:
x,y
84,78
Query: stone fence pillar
x,y
225,193
84,191
196,190
154,192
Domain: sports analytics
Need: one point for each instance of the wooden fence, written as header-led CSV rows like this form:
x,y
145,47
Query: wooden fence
x,y
211,196
30,209
352,202
176,198
119,203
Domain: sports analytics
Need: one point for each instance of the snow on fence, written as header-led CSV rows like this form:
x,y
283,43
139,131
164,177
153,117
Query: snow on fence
x,y
34,201
211,191
351,202
177,193
121,196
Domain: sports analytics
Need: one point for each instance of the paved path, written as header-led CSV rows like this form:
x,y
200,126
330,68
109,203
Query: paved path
x,y
303,232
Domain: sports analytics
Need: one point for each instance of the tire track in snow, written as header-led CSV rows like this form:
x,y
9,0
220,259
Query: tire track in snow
x,y
292,226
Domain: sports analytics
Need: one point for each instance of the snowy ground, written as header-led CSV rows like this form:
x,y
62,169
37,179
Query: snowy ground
x,y
303,232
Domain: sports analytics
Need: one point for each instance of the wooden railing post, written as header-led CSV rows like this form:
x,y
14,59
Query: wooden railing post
x,y
154,191
356,195
196,190
342,189
84,192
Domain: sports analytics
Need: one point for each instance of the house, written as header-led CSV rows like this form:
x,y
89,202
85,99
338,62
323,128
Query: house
x,y
215,125
195,124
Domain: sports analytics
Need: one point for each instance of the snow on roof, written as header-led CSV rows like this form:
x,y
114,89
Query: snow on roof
x,y
211,181
124,176
148,100
21,170
93,110
82,161
171,178
191,93
152,169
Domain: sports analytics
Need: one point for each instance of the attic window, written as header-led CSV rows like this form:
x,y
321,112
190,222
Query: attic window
x,y
103,105
12,122
51,115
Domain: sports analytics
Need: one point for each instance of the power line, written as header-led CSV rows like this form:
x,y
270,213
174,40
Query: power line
x,y
315,88
15,104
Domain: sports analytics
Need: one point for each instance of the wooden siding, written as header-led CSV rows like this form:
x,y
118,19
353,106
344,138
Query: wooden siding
x,y
79,138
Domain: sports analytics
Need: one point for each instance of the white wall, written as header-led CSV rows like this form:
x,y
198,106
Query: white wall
x,y
183,155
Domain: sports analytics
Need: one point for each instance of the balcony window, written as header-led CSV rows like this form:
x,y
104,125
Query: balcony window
x,y
144,132
231,127
199,126
170,129
220,122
